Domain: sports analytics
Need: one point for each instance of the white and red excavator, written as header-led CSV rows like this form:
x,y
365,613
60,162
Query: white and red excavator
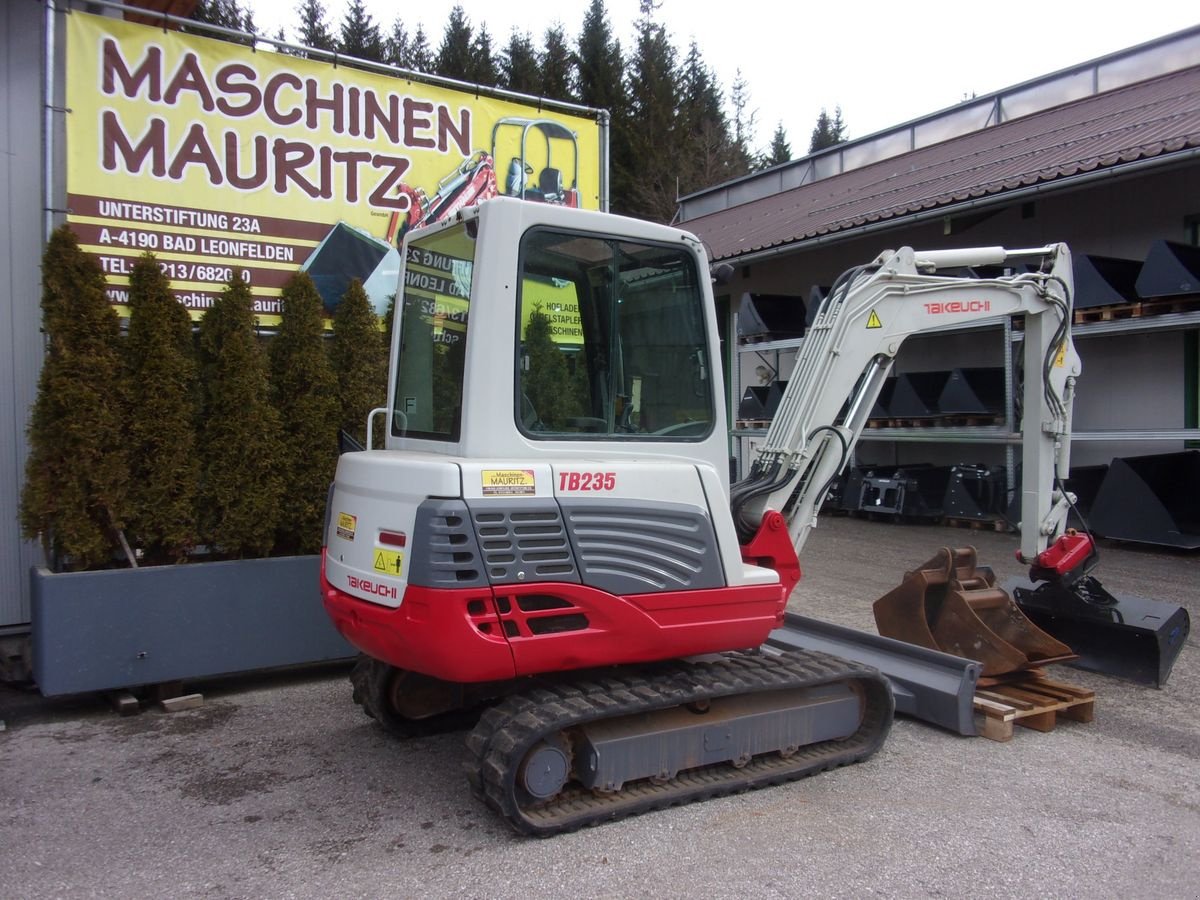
x,y
550,533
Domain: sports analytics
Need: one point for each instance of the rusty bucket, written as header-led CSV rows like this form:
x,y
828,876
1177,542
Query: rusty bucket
x,y
953,605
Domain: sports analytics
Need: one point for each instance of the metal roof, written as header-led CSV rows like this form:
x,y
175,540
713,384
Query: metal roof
x,y
1151,120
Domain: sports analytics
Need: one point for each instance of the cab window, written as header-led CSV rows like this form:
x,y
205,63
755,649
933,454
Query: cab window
x,y
612,340
433,319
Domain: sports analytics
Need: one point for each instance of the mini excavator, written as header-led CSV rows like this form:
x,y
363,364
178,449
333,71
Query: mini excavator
x,y
550,534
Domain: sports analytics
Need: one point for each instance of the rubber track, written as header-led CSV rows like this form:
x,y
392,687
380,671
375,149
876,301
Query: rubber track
x,y
506,732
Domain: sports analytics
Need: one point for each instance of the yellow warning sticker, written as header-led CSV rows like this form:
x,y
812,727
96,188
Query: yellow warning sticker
x,y
873,321
509,482
1060,359
346,525
389,561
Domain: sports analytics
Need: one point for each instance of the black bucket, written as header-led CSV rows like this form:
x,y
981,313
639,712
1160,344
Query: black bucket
x,y
972,392
1150,500
1170,270
771,316
883,403
775,392
1127,637
916,395
1105,281
754,403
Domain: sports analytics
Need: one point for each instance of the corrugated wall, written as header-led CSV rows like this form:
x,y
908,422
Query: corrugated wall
x,y
21,240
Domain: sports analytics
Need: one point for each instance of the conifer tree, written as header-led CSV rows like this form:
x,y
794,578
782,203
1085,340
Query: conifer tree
x,y
314,28
558,65
453,58
360,36
304,391
779,152
519,65
600,73
76,476
598,63
389,317
226,14
240,483
709,154
484,68
743,121
828,132
397,48
420,56
359,359
160,365
654,98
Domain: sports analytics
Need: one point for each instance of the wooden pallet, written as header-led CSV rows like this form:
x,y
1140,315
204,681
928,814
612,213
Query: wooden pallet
x,y
1035,703
1154,306
996,523
940,421
1108,313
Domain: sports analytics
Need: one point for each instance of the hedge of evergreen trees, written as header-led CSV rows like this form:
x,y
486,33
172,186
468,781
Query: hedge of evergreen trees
x,y
77,474
175,443
670,132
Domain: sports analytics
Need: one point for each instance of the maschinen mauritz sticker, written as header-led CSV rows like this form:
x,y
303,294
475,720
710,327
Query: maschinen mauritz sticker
x,y
508,482
346,525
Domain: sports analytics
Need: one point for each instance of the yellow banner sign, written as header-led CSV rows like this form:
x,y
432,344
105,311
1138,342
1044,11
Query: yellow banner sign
x,y
222,160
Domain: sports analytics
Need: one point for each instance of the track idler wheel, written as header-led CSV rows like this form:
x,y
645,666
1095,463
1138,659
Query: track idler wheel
x,y
546,768
951,604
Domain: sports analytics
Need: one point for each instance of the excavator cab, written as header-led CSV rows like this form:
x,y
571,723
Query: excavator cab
x,y
549,519
555,457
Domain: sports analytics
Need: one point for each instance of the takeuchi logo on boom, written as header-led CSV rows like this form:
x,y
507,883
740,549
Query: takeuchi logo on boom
x,y
252,100
958,306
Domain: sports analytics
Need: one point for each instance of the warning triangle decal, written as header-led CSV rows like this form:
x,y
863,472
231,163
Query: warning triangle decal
x,y
873,321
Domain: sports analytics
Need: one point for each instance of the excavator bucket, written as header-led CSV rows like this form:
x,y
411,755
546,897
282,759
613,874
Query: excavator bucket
x,y
952,605
1120,635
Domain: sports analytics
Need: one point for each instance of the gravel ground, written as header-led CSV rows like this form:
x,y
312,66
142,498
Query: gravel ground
x,y
279,787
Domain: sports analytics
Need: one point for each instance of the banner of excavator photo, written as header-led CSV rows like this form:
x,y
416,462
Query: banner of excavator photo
x,y
222,159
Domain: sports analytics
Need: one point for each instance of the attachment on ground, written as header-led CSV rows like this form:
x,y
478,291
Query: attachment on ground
x,y
1134,638
952,604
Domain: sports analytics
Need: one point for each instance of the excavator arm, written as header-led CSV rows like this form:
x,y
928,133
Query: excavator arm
x,y
947,603
849,351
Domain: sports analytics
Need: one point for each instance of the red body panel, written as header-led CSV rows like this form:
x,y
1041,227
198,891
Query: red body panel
x,y
490,634
772,548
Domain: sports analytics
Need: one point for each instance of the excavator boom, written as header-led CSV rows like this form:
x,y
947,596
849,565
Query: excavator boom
x,y
947,603
848,353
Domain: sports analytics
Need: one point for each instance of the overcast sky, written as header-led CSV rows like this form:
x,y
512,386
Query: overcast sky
x,y
883,63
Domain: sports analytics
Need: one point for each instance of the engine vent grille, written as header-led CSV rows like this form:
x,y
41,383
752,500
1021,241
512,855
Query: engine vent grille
x,y
523,544
627,548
